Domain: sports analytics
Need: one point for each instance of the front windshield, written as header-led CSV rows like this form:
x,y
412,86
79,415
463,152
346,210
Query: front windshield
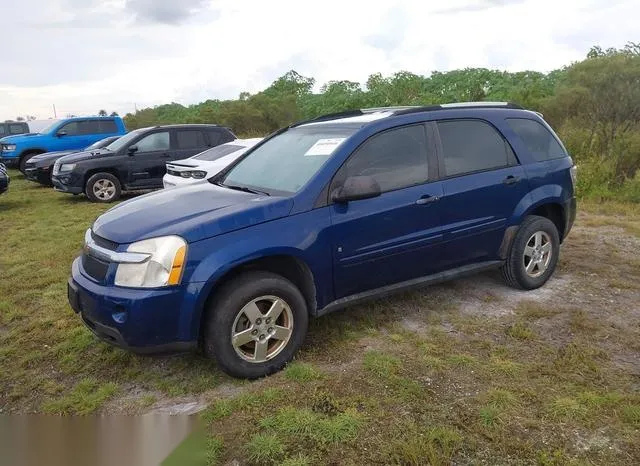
x,y
49,127
100,144
286,162
124,141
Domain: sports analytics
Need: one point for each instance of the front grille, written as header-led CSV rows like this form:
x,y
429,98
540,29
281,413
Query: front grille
x,y
30,165
95,268
104,243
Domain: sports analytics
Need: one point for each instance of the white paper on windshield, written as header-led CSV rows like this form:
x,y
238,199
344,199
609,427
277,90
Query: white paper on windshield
x,y
324,146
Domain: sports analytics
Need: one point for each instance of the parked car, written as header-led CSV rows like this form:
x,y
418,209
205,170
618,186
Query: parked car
x,y
39,168
134,162
321,215
201,167
68,134
9,128
4,179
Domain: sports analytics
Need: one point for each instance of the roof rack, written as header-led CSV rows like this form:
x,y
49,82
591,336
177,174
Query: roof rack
x,y
407,109
429,108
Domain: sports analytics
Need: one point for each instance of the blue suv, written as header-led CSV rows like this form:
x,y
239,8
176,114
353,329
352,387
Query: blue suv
x,y
61,135
321,215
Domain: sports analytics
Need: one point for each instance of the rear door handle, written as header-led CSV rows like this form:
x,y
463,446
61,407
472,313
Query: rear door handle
x,y
511,180
427,200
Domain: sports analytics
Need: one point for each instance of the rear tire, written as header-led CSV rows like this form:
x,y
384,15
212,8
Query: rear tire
x,y
103,187
533,255
255,324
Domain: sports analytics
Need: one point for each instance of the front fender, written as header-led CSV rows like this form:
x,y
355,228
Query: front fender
x,y
304,237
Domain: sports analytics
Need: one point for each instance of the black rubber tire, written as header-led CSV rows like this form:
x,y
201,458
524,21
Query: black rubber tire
x,y
222,313
88,189
24,159
513,270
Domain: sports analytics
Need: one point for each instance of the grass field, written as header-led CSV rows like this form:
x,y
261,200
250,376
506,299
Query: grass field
x,y
466,372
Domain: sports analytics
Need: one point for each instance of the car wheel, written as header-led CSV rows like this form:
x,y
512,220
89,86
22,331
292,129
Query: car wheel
x,y
533,255
255,325
23,161
103,187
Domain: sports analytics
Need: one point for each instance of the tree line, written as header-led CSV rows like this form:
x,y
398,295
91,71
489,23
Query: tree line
x,y
593,104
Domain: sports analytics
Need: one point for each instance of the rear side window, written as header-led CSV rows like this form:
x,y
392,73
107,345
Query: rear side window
x,y
191,140
538,139
395,159
17,129
472,145
107,127
218,152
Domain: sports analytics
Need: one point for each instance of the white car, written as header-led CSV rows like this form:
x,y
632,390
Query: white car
x,y
201,167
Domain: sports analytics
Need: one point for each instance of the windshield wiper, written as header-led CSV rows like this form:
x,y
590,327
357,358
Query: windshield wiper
x,y
242,188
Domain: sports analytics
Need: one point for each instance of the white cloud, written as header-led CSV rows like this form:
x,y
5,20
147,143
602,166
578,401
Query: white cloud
x,y
92,54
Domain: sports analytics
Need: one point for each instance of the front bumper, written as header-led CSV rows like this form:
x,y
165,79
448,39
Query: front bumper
x,y
9,160
65,184
40,175
140,320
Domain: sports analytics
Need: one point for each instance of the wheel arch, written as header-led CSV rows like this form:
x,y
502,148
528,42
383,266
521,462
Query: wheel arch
x,y
288,265
93,171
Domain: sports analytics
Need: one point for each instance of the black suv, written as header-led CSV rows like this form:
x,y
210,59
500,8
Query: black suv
x,y
136,161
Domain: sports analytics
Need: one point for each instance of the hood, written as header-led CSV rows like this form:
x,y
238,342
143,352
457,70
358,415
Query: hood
x,y
194,212
75,157
20,138
49,157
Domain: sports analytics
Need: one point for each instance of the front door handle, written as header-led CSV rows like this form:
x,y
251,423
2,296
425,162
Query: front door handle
x,y
509,180
427,200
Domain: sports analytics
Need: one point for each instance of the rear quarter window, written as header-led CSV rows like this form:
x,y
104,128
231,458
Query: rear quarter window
x,y
540,142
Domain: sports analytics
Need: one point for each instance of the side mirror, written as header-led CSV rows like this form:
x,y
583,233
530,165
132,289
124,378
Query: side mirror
x,y
356,188
132,149
61,133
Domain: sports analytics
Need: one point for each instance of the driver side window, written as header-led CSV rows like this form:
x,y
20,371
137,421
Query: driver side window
x,y
396,159
72,128
154,142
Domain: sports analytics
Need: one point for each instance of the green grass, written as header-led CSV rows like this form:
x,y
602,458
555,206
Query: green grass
x,y
264,449
302,372
87,396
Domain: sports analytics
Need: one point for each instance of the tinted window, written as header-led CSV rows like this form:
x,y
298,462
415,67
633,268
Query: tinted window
x,y
190,140
396,159
286,162
88,127
218,152
472,145
537,138
154,142
17,129
215,137
2,129
72,128
107,126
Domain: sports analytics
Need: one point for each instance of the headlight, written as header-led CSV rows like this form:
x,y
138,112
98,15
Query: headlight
x,y
67,167
163,268
9,147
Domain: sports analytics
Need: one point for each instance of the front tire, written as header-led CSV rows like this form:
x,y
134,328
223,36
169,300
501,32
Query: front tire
x,y
255,324
103,187
533,255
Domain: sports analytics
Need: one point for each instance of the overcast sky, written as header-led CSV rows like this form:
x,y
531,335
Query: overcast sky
x,y
85,55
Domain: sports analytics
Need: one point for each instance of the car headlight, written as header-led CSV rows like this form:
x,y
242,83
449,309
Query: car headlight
x,y
163,268
67,167
9,147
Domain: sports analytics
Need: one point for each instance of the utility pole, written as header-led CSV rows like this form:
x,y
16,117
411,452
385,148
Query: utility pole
x,y
55,115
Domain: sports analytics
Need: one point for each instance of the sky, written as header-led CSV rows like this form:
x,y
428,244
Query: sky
x,y
118,55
